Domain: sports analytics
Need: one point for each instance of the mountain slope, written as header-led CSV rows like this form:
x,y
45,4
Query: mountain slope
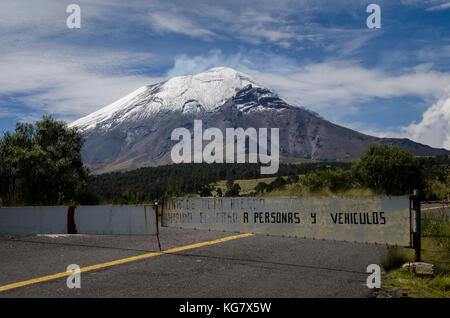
x,y
201,92
135,131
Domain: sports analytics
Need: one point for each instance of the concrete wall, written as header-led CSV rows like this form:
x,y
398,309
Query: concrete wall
x,y
124,219
357,219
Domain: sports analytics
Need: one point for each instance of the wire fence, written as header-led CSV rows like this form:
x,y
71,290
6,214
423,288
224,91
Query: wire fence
x,y
435,219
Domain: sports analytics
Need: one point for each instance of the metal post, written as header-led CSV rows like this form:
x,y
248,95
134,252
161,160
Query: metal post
x,y
157,225
417,227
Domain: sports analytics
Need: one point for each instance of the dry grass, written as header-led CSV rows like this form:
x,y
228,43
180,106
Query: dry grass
x,y
354,192
435,250
248,187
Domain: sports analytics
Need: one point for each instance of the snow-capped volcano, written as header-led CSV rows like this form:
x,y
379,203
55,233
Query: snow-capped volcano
x,y
193,93
135,131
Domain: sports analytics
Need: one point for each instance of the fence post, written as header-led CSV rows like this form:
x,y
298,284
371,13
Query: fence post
x,y
417,226
157,224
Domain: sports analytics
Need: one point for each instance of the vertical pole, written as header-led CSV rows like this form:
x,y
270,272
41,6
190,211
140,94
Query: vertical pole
x,y
411,230
417,226
157,225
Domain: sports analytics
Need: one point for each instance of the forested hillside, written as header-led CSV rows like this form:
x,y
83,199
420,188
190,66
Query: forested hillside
x,y
147,184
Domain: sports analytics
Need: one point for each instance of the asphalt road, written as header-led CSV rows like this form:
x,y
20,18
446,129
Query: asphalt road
x,y
434,209
253,266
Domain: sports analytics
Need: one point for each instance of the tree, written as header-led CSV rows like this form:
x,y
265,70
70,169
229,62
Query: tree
x,y
7,170
292,178
232,189
260,187
278,183
42,164
229,184
205,191
185,178
388,170
219,192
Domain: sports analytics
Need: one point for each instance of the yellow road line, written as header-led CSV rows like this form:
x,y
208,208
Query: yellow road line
x,y
436,207
121,261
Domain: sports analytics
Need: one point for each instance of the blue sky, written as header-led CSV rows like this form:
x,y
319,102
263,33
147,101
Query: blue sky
x,y
393,81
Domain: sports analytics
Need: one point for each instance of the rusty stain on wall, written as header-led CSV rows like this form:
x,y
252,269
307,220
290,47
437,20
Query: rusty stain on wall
x,y
71,226
114,220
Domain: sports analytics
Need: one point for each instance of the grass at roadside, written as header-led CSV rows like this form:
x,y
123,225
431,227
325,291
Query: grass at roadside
x,y
402,284
435,250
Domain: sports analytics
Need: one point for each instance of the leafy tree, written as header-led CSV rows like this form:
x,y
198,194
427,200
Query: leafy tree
x,y
182,179
219,192
205,191
260,187
436,177
292,178
229,184
131,197
278,183
7,170
41,164
85,193
173,190
388,170
232,189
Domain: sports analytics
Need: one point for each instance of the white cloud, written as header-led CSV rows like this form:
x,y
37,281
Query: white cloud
x,y
251,22
335,88
323,86
439,7
42,16
42,69
434,128
60,78
186,65
169,22
69,84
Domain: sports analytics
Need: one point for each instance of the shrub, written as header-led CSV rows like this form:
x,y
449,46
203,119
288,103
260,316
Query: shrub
x,y
260,187
437,190
292,178
278,183
205,191
394,259
232,189
332,179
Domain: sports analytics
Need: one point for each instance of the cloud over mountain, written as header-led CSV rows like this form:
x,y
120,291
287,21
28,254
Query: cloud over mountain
x,y
136,130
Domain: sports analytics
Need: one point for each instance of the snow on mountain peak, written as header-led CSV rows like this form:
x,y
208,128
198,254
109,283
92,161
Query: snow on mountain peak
x,y
203,91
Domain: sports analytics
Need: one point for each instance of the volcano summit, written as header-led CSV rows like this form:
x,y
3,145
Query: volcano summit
x,y
135,131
